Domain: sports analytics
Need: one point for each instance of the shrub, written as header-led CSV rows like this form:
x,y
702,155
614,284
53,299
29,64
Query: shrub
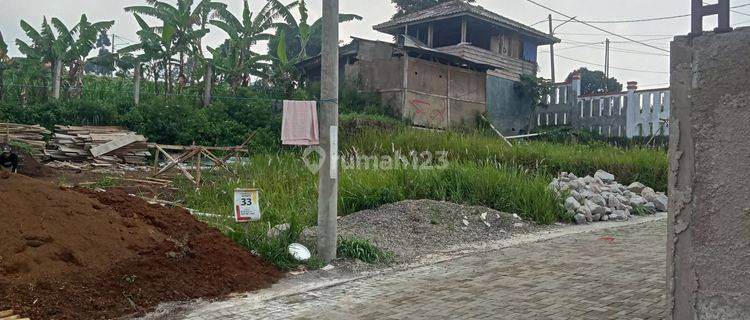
x,y
360,249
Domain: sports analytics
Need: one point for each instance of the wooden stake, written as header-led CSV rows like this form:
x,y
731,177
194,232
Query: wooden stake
x,y
496,131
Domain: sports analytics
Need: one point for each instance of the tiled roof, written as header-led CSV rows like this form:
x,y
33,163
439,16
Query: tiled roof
x,y
461,7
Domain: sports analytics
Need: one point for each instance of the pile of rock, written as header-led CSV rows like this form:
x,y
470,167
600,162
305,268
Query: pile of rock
x,y
601,198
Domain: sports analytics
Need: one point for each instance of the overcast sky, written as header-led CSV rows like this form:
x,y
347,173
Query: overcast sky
x,y
648,66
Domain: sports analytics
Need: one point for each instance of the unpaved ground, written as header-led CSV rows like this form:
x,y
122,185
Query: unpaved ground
x,y
80,254
607,270
414,228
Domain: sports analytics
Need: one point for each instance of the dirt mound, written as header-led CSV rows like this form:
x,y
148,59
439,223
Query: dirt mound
x,y
78,254
416,227
31,167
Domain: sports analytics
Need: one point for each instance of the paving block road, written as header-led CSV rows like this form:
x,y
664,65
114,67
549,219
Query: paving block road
x,y
608,274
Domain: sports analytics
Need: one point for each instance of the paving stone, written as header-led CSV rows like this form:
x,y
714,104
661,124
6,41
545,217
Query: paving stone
x,y
568,277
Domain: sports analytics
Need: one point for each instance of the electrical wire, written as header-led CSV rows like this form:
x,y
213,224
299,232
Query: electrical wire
x,y
654,19
598,28
615,68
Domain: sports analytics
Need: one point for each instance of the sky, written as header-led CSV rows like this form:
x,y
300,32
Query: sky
x,y
582,46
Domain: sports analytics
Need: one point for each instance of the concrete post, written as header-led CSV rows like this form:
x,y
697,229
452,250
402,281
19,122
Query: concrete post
x,y
708,247
632,111
329,119
576,83
137,83
208,81
57,79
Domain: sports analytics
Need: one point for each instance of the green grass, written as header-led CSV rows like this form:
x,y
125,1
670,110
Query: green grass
x,y
481,171
361,249
646,165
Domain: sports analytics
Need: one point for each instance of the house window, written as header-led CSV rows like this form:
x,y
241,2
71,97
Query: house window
x,y
622,103
539,119
547,116
662,97
591,108
555,118
565,118
581,105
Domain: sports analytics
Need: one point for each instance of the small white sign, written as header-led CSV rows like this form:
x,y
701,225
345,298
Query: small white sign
x,y
246,205
334,131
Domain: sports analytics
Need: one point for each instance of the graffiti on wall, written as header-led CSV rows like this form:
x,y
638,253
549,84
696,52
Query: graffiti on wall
x,y
428,113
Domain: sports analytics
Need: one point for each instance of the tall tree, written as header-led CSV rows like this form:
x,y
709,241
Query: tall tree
x,y
244,32
595,82
83,39
404,7
177,30
46,48
104,62
302,39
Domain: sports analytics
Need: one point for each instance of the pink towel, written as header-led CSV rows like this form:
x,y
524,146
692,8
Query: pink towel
x,y
299,125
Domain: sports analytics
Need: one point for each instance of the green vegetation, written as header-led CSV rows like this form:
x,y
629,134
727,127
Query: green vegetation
x,y
360,249
481,171
168,66
646,165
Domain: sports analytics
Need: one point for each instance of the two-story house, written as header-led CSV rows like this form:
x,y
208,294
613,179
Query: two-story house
x,y
449,64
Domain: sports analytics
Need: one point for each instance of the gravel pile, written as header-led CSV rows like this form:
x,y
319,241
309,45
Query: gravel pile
x,y
601,198
417,227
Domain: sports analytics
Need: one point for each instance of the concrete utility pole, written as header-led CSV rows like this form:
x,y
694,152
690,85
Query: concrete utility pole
x,y
137,83
208,81
329,121
606,59
552,49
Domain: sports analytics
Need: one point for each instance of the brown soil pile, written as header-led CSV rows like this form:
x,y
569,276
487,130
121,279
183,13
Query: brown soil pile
x,y
31,167
78,254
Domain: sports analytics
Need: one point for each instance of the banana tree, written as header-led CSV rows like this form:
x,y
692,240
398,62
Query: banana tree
x,y
246,31
302,39
152,46
42,49
86,34
179,22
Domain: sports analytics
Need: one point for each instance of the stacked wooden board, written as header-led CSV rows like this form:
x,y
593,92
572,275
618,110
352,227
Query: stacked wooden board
x,y
33,135
99,146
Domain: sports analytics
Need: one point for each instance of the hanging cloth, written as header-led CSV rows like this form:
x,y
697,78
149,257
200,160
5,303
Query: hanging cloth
x,y
299,125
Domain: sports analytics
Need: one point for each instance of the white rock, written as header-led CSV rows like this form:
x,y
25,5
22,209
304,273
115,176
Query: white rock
x,y
648,193
661,202
598,199
637,201
466,222
277,230
483,216
620,215
580,219
605,218
572,204
518,225
515,216
636,187
328,268
604,176
588,179
576,184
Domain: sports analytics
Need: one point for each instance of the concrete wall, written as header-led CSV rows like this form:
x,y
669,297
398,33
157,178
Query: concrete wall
x,y
624,114
509,113
708,254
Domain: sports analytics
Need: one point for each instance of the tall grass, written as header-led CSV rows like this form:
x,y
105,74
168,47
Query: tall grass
x,y
646,165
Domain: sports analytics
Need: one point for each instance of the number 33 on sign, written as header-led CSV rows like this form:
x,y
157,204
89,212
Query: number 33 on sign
x,y
246,205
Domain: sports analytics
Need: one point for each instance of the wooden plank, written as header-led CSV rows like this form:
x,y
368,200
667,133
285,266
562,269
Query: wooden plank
x,y
14,317
6,313
496,131
116,144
